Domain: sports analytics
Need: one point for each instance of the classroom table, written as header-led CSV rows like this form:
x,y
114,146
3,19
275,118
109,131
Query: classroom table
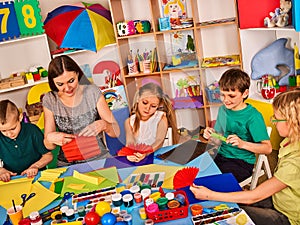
x,y
204,162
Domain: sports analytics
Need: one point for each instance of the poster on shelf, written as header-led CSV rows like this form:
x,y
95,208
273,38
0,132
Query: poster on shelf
x,y
175,9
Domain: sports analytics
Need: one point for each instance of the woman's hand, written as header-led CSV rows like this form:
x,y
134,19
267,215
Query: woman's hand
x,y
137,157
6,174
60,138
94,128
201,192
30,172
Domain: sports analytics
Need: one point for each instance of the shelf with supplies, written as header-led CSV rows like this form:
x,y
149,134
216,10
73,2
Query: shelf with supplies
x,y
177,51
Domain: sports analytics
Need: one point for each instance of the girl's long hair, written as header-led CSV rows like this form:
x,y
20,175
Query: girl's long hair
x,y
165,105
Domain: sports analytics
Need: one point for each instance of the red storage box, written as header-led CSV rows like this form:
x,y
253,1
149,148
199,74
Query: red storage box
x,y
170,214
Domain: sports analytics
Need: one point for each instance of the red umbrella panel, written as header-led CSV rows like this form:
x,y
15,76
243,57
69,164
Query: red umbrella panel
x,y
88,26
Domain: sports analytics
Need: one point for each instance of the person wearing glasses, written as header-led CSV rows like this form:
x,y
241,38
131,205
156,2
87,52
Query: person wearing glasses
x,y
277,200
240,127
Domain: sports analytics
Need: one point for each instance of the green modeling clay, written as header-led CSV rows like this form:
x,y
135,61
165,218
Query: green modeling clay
x,y
218,136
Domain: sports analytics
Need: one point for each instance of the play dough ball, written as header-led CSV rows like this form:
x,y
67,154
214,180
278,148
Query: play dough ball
x,y
102,208
108,219
91,218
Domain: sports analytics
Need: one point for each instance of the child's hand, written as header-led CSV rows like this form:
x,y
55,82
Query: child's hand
x,y
137,157
234,140
207,132
60,138
200,192
6,174
30,172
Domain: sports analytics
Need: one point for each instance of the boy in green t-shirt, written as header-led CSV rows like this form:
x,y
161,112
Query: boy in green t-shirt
x,y
242,126
22,150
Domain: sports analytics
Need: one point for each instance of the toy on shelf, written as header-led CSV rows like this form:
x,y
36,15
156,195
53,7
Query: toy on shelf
x,y
220,61
213,92
131,27
280,16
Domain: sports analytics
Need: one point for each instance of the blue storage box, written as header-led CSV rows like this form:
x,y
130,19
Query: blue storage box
x,y
213,95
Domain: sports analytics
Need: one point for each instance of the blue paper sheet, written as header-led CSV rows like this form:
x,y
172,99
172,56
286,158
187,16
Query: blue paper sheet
x,y
123,162
225,182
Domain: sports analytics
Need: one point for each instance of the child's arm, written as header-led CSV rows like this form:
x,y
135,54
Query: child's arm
x,y
129,133
263,191
161,133
6,174
34,168
264,147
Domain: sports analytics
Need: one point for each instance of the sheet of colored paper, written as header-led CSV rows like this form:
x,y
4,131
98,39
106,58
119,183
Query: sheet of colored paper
x,y
71,182
42,198
89,178
110,173
13,190
170,171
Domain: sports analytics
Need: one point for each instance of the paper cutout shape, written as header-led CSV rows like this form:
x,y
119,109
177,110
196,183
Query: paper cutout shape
x,y
185,177
76,186
85,177
111,175
132,149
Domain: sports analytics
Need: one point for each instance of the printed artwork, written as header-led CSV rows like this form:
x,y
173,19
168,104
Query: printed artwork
x,y
175,9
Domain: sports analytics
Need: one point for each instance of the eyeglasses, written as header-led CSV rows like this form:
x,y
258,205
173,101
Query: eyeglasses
x,y
274,120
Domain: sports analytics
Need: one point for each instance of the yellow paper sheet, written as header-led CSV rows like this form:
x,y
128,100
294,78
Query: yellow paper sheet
x,y
13,190
170,171
111,180
88,178
42,198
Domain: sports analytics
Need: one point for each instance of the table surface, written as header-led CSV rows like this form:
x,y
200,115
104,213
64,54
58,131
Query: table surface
x,y
204,162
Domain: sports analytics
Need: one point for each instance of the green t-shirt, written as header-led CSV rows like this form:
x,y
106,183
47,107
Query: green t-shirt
x,y
248,124
287,201
20,153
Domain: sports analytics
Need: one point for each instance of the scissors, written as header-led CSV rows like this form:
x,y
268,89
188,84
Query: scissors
x,y
25,198
67,195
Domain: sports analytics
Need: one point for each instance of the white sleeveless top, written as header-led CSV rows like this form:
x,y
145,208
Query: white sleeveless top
x,y
148,129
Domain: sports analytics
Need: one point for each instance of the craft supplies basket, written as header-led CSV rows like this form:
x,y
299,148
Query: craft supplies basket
x,y
213,95
170,214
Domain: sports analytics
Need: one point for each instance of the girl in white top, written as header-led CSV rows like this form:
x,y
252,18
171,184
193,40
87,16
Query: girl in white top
x,y
152,114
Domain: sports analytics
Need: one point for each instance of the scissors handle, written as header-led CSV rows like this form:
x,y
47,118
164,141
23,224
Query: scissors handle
x,y
25,198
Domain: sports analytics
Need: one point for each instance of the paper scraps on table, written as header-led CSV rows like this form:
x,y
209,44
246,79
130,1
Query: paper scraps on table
x,y
111,180
76,186
51,175
137,148
88,178
155,180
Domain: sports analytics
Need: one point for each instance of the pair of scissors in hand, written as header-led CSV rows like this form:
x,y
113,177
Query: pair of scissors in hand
x,y
25,198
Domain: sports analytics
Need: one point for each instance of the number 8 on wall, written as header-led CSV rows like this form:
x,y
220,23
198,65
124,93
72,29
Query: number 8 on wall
x,y
20,18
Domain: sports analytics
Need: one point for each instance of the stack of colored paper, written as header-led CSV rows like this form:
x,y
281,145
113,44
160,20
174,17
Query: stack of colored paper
x,y
51,175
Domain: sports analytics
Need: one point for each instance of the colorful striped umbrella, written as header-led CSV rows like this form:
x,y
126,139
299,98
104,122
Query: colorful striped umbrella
x,y
81,26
